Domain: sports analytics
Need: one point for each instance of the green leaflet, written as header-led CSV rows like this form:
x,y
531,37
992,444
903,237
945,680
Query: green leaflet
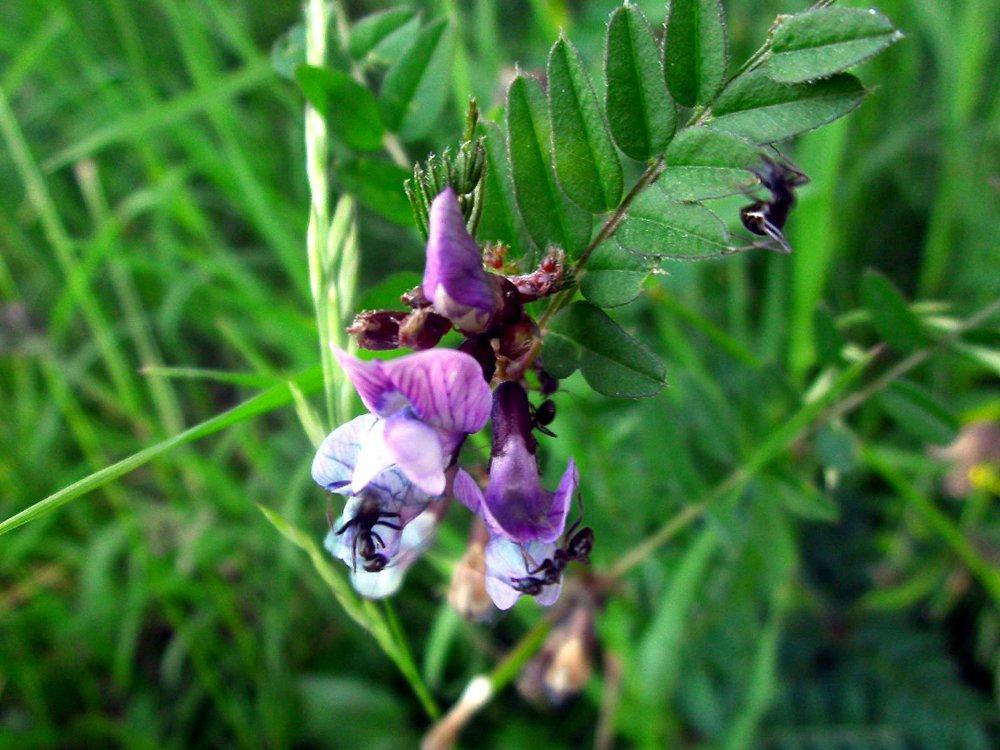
x,y
641,113
704,163
373,29
891,315
614,276
416,86
549,216
612,361
500,220
585,158
350,109
821,42
695,52
766,111
659,226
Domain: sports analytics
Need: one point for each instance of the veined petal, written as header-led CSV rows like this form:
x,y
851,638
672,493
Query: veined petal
x,y
454,278
444,387
338,454
374,457
515,503
416,449
373,385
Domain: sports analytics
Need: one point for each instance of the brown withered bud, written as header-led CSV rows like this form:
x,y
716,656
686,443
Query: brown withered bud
x,y
480,350
544,280
467,591
564,664
377,330
517,338
422,329
415,298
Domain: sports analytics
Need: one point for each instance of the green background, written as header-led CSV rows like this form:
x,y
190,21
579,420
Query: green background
x,y
154,216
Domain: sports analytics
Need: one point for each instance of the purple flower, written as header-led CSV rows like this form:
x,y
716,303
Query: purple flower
x,y
515,504
525,521
455,282
373,536
426,404
509,566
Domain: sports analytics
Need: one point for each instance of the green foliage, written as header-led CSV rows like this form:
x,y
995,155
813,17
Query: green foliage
x,y
641,113
415,88
585,158
766,111
696,52
349,108
821,42
612,361
153,290
660,226
548,214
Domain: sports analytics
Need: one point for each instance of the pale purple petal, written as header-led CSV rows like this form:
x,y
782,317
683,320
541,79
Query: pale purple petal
x,y
506,561
416,449
374,457
467,491
373,385
454,278
338,454
502,594
561,500
444,387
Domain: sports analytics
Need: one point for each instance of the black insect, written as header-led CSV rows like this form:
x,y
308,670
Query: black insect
x,y
576,548
367,541
766,218
543,415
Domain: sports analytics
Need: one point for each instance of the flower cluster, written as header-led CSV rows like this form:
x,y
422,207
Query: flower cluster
x,y
398,464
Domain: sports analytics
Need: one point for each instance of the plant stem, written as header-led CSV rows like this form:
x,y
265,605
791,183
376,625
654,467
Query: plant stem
x,y
607,229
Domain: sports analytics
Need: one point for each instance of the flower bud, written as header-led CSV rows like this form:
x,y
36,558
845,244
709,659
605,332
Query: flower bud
x,y
455,282
481,350
544,280
422,329
564,665
377,330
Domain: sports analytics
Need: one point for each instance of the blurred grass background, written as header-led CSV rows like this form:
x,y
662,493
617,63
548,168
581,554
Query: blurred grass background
x,y
153,216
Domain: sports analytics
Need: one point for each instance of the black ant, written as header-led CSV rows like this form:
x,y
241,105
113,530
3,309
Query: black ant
x,y
543,415
766,218
366,540
577,548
